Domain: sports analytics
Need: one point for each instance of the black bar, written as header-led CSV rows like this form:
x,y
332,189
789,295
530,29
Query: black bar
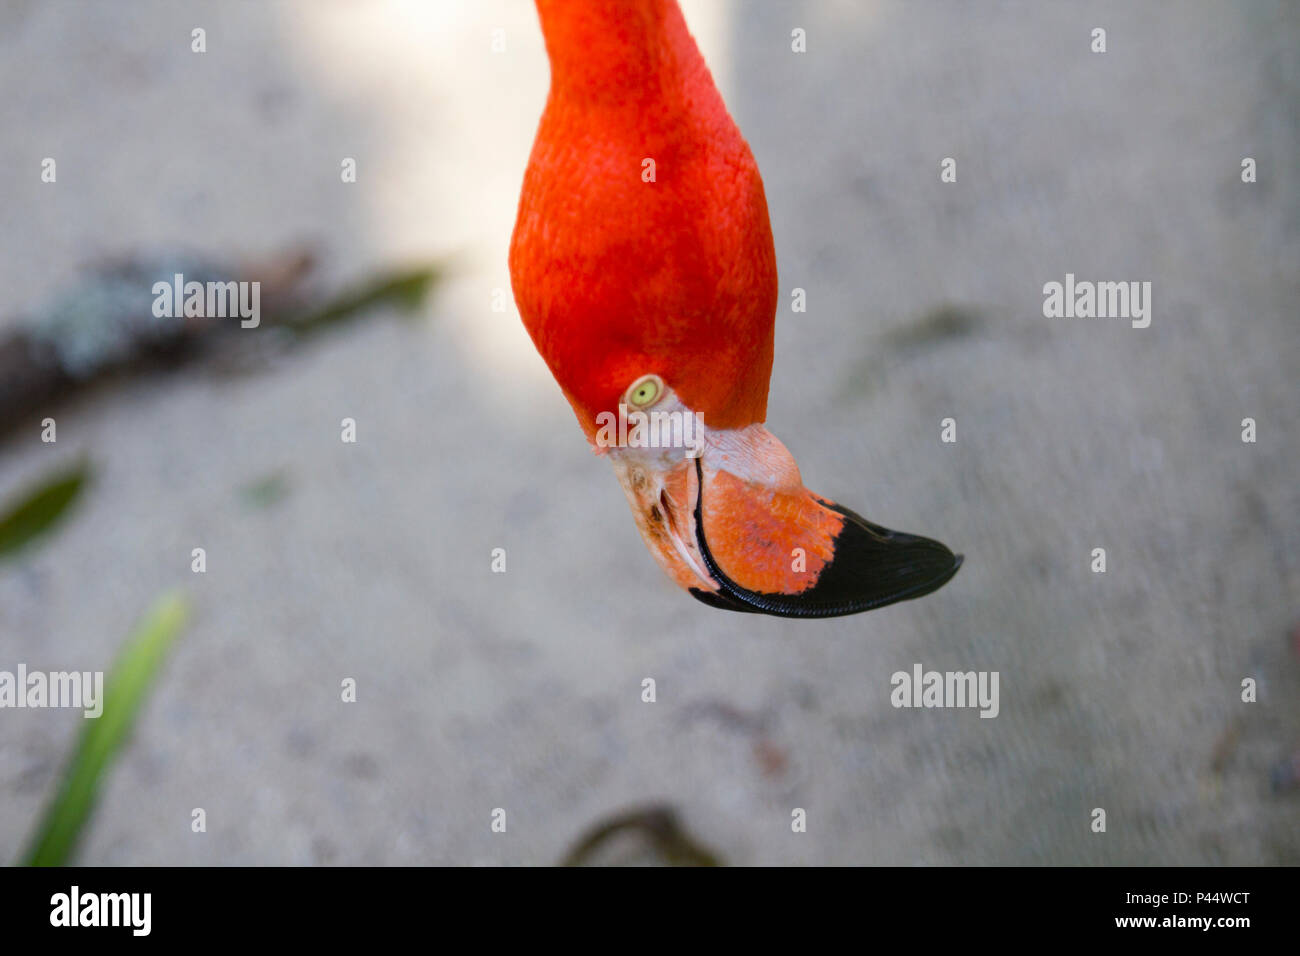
x,y
334,905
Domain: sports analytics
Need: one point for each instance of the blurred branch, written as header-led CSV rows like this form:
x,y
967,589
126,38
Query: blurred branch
x,y
658,826
104,326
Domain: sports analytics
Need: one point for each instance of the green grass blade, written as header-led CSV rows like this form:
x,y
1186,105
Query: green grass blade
x,y
127,685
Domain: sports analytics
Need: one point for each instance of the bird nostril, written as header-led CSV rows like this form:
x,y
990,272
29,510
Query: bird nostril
x,y
664,511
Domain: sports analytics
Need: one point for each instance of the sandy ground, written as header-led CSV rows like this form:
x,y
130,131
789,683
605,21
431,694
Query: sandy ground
x,y
523,690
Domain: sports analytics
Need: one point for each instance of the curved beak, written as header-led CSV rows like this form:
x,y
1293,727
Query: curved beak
x,y
736,527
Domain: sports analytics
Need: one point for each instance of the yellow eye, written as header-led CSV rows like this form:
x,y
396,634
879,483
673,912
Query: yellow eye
x,y
645,391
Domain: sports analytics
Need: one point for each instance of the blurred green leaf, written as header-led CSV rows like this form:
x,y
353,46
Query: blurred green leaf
x,y
266,491
39,508
405,290
937,327
940,324
125,689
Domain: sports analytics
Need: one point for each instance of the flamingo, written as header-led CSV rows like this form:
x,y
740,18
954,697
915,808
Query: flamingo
x,y
644,270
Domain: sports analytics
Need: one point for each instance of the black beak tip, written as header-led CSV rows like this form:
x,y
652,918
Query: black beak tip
x,y
941,580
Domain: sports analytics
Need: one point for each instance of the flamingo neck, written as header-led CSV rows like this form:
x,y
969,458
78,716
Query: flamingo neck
x,y
619,51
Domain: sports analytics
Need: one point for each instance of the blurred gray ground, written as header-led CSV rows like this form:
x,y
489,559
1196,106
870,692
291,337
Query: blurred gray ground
x,y
522,690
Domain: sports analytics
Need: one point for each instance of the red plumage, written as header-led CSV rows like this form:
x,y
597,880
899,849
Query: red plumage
x,y
616,277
